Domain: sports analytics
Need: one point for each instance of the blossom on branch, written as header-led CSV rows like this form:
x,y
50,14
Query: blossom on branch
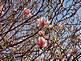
x,y
42,22
27,12
41,42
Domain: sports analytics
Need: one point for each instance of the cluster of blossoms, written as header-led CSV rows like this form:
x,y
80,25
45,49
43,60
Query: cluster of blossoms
x,y
41,22
41,42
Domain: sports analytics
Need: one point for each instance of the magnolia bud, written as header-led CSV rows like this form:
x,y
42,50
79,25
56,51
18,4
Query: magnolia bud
x,y
27,12
41,33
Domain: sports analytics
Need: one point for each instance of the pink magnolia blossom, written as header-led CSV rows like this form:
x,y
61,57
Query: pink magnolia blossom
x,y
42,22
41,33
27,12
41,42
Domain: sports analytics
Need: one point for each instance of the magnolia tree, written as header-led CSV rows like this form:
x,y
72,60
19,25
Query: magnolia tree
x,y
40,30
